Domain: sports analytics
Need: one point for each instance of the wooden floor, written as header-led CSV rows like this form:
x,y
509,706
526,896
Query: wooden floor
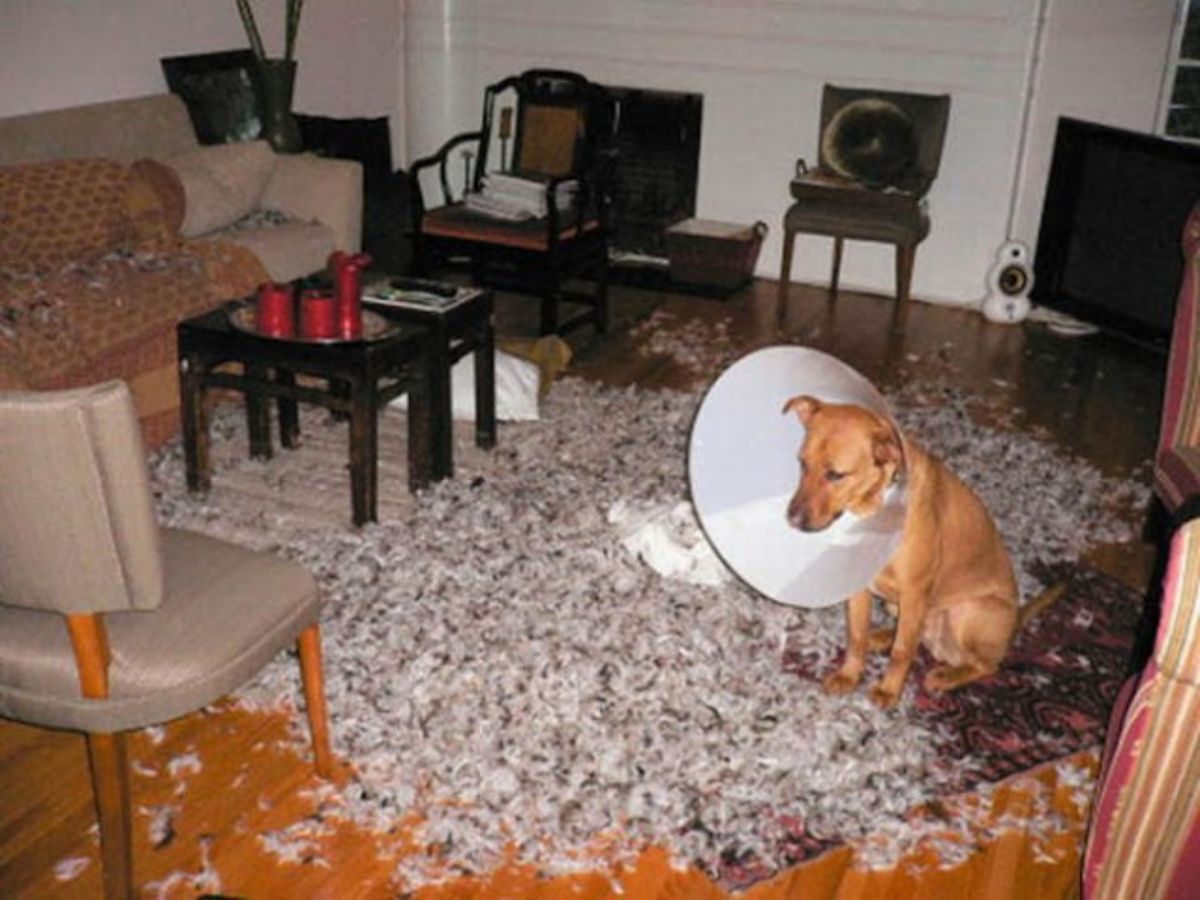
x,y
1094,397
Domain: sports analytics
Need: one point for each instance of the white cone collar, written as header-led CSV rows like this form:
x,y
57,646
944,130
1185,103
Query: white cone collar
x,y
743,470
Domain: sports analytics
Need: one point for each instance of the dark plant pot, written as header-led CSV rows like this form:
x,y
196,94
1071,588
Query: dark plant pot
x,y
277,80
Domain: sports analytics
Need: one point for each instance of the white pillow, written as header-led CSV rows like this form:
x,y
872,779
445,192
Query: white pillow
x,y
221,183
516,389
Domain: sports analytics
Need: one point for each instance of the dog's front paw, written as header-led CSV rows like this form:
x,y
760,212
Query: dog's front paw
x,y
840,682
883,697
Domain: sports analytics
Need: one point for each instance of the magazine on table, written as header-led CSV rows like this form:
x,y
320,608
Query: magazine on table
x,y
416,293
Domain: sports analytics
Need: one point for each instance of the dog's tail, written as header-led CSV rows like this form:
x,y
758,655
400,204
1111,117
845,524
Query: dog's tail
x,y
1039,603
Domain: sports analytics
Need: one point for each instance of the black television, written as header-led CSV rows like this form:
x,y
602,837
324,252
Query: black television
x,y
1108,249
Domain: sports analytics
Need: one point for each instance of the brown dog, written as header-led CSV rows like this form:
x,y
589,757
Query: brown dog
x,y
950,583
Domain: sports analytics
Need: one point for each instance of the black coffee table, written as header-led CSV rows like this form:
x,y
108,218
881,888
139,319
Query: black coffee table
x,y
464,325
356,378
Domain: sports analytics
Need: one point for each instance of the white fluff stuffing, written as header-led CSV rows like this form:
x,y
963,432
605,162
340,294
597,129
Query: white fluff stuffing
x,y
204,881
184,764
668,540
70,868
498,662
697,347
155,733
298,843
161,824
959,824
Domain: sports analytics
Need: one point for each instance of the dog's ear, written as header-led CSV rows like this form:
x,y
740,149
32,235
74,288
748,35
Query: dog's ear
x,y
885,447
803,406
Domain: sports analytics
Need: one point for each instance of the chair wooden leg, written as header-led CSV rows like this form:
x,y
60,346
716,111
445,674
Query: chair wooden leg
x,y
309,647
836,274
785,269
551,288
905,259
110,784
602,296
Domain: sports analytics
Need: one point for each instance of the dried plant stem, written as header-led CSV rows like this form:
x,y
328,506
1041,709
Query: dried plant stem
x,y
256,44
294,8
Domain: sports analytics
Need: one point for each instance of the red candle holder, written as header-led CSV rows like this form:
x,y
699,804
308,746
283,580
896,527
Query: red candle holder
x,y
274,313
318,314
346,272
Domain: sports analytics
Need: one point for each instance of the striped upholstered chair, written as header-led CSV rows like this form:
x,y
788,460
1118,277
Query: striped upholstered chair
x,y
1177,462
1144,837
1177,455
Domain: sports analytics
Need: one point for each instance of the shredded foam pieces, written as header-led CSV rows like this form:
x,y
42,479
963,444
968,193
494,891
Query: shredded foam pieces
x,y
500,665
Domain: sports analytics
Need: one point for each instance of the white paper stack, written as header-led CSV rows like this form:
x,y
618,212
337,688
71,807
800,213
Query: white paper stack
x,y
516,198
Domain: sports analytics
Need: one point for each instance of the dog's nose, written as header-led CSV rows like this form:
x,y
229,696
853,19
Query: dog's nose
x,y
796,517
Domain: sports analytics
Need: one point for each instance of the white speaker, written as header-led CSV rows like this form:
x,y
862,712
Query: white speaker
x,y
1009,281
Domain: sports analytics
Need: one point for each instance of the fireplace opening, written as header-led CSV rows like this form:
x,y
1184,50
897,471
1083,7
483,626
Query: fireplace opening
x,y
657,142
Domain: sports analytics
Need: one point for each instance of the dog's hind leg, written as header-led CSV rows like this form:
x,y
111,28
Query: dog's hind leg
x,y
971,641
947,678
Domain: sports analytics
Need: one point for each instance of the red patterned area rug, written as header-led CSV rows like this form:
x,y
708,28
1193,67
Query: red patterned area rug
x,y
1052,698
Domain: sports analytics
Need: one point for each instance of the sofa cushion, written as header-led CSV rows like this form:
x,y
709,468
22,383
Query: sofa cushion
x,y
287,250
153,224
221,183
168,189
64,211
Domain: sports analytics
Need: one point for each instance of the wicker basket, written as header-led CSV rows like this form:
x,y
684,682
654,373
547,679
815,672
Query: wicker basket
x,y
714,254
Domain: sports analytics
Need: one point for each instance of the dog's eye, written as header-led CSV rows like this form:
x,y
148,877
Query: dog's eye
x,y
831,475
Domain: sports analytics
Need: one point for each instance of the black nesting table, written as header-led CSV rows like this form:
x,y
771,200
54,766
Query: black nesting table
x,y
355,378
462,326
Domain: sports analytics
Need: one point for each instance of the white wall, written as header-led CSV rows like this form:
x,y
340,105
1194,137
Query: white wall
x,y
760,65
57,53
1102,60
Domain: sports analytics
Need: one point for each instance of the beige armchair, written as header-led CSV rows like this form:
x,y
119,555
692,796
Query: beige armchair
x,y
109,623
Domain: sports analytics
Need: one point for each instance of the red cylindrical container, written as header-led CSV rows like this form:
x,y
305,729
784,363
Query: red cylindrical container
x,y
349,301
318,314
274,313
346,271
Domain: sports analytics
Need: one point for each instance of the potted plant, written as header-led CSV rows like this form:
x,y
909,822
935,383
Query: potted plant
x,y
276,77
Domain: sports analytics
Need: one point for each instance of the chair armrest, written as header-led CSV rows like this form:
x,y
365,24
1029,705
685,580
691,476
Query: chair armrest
x,y
439,159
321,188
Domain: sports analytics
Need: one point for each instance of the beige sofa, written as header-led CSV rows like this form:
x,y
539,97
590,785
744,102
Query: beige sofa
x,y
115,225
310,205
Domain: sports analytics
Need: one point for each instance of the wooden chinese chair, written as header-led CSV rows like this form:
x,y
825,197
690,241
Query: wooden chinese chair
x,y
562,126
879,154
109,623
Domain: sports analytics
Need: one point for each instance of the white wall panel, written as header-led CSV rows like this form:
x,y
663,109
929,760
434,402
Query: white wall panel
x,y
760,66
1103,61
